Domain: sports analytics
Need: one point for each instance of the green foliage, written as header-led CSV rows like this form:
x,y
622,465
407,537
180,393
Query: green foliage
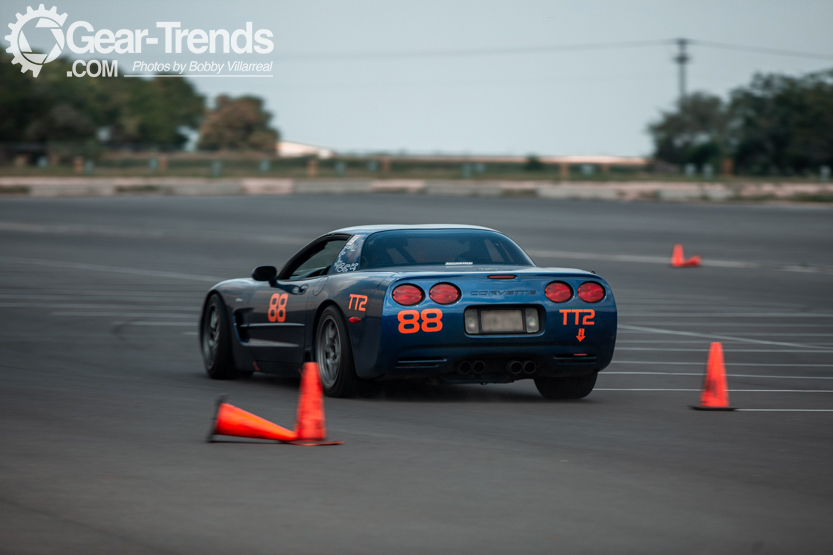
x,y
777,124
57,108
784,124
533,164
695,133
238,124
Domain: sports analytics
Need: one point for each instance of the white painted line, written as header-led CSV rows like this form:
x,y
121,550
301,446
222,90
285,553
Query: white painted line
x,y
154,324
783,410
700,341
115,296
712,336
806,349
777,333
125,314
778,325
665,261
730,391
91,306
665,342
728,364
676,314
69,229
102,268
727,375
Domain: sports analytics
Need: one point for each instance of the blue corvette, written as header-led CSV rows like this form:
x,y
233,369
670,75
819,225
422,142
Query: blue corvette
x,y
460,304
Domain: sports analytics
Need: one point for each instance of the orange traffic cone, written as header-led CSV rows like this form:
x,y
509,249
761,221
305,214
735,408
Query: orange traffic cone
x,y
310,425
232,421
715,394
678,259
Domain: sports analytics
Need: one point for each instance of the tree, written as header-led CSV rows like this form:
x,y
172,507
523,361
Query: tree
x,y
54,107
776,124
784,124
238,124
695,133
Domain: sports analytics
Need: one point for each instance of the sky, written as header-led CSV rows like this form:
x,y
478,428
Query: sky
x,y
340,78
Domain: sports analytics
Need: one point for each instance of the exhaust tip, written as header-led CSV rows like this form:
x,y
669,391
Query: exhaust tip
x,y
478,366
530,367
464,367
515,366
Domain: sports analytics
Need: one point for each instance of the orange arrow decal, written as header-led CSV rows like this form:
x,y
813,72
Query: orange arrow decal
x,y
580,335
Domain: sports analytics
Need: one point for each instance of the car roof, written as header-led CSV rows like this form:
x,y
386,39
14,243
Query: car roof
x,y
402,227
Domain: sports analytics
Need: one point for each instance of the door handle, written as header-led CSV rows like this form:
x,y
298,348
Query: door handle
x,y
302,289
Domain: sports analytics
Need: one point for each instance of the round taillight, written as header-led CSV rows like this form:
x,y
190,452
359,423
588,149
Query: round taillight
x,y
408,295
591,292
444,293
558,292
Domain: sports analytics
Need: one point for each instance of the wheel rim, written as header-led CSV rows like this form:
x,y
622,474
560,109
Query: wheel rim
x,y
211,334
328,352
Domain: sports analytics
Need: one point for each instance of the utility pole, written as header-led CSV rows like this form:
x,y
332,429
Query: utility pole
x,y
682,58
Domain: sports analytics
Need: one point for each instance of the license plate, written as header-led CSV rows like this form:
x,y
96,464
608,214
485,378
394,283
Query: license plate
x,y
501,321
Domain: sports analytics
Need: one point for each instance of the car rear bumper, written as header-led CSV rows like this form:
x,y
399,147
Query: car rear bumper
x,y
493,363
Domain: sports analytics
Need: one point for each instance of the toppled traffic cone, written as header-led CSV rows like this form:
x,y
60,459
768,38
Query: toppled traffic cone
x,y
678,260
232,421
715,394
310,425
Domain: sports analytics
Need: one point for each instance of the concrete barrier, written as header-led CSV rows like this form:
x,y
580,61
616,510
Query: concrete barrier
x,y
602,190
332,187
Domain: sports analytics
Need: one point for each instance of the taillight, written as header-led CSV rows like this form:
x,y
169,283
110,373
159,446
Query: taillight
x,y
558,292
591,292
444,293
408,295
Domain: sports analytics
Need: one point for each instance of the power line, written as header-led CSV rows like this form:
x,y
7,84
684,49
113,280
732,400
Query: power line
x,y
762,50
471,52
582,47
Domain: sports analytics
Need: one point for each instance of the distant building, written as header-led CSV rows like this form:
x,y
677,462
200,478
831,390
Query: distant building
x,y
287,149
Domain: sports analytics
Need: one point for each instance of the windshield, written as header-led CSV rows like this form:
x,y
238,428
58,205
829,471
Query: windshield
x,y
450,247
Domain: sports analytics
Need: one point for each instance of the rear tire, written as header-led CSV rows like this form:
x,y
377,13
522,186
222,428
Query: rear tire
x,y
215,340
335,355
574,387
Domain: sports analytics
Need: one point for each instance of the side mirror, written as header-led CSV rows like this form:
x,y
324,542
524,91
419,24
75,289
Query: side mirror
x,y
264,273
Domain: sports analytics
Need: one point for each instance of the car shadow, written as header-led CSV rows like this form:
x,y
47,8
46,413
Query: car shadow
x,y
429,391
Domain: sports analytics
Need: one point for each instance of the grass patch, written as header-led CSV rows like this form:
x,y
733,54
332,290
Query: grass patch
x,y
812,197
14,190
138,190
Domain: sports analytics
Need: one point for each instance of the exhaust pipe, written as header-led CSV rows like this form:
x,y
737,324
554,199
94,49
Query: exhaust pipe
x,y
464,367
515,366
478,366
530,367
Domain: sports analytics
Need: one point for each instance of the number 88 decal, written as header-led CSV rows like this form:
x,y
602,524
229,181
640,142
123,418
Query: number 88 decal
x,y
431,320
277,307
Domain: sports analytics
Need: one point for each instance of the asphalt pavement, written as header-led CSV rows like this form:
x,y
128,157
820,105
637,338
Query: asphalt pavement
x,y
104,404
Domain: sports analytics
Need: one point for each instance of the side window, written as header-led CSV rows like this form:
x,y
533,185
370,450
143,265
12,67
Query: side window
x,y
348,259
318,260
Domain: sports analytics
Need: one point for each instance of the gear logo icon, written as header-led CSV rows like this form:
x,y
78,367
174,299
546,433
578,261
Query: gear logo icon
x,y
19,46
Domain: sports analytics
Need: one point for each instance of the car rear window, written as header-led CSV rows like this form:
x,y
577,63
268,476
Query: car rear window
x,y
449,247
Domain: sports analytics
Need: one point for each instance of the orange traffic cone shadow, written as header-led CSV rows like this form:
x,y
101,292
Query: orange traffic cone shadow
x,y
678,260
715,394
232,421
310,424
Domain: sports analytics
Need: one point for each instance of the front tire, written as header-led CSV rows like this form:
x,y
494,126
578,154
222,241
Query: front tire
x,y
574,387
215,340
335,355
